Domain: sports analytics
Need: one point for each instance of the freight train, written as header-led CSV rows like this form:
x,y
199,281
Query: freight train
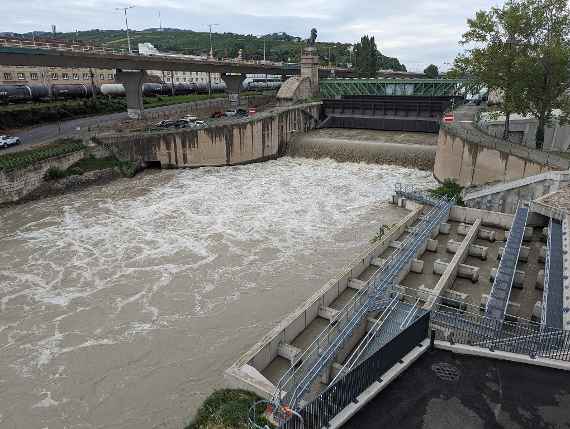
x,y
26,93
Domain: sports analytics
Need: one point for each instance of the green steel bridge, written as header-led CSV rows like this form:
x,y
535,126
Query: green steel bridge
x,y
338,87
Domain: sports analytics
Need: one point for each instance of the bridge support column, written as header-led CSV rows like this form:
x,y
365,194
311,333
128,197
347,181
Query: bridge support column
x,y
234,84
133,81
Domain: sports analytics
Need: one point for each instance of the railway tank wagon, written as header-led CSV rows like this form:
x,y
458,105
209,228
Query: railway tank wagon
x,y
23,93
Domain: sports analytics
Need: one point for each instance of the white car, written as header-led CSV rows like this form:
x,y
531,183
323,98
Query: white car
x,y
6,141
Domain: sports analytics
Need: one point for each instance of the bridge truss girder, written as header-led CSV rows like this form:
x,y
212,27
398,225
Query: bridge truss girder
x,y
334,88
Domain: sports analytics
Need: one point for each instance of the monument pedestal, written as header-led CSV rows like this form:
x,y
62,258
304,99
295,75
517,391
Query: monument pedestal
x,y
310,68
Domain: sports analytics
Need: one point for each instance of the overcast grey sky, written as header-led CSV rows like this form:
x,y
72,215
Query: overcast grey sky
x,y
419,32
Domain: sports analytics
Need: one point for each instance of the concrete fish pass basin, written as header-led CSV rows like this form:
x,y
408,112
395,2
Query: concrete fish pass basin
x,y
258,138
456,264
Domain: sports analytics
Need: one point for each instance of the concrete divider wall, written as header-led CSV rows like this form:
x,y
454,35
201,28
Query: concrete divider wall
x,y
450,273
473,161
470,215
262,353
260,137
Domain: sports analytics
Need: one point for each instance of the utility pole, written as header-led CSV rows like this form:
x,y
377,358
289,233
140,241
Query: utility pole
x,y
124,9
211,57
159,22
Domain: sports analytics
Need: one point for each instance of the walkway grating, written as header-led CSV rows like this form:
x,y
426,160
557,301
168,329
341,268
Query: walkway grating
x,y
502,286
553,284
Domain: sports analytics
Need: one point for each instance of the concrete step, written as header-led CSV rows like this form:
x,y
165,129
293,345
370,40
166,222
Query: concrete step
x,y
328,313
289,352
378,262
356,284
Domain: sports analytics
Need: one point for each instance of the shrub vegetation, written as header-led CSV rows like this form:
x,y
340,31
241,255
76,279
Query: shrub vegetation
x,y
227,409
17,160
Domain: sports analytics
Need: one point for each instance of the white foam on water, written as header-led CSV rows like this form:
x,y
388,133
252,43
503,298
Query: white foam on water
x,y
171,254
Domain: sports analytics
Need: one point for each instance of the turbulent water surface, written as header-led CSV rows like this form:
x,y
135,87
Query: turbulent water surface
x,y
122,305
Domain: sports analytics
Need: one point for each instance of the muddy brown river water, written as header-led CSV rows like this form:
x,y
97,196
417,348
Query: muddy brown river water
x,y
121,306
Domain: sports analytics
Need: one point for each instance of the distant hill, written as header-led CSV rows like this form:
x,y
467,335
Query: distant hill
x,y
279,46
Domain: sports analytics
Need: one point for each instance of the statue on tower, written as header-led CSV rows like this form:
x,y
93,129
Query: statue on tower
x,y
312,40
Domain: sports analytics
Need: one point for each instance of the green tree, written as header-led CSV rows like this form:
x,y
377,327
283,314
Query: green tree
x,y
496,61
366,57
523,50
431,71
546,42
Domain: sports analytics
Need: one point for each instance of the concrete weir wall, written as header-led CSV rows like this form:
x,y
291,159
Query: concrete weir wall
x,y
473,161
263,136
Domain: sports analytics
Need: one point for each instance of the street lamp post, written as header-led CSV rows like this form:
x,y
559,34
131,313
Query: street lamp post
x,y
124,9
211,57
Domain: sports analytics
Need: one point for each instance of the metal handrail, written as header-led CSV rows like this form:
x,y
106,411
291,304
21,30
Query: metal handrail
x,y
359,305
546,277
354,357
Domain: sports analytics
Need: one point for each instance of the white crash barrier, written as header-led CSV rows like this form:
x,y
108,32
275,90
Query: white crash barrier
x,y
444,228
475,250
432,245
417,266
524,253
518,281
465,271
485,234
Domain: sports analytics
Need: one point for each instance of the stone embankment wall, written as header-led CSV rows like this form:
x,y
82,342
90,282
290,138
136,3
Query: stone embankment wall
x,y
261,137
18,184
472,159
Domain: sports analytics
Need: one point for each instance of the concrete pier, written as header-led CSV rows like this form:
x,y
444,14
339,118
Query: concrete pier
x,y
234,84
133,81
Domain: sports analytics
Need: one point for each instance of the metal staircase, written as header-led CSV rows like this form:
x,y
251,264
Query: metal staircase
x,y
307,368
501,291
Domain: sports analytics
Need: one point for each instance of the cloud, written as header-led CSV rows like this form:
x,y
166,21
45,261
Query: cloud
x,y
419,33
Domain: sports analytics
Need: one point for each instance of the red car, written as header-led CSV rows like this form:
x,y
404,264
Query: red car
x,y
217,115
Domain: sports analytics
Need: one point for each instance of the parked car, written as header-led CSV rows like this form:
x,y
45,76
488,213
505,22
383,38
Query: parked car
x,y
230,113
190,118
200,124
6,141
165,123
217,115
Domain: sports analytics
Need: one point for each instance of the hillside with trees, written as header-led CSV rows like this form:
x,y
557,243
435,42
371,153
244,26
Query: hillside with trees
x,y
278,46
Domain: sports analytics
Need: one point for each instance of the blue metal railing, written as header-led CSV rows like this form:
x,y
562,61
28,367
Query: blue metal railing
x,y
311,363
501,291
412,192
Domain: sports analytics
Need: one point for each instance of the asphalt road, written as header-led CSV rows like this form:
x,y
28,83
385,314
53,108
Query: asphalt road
x,y
75,127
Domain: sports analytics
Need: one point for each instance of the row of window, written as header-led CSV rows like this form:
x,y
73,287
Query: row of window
x,y
55,76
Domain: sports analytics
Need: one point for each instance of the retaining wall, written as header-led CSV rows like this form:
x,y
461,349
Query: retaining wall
x,y
470,158
263,136
18,184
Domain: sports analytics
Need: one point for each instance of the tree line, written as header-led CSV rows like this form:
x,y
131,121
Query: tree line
x,y
522,50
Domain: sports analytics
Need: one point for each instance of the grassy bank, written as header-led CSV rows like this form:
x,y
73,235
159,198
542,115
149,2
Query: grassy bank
x,y
227,409
125,168
26,158
29,114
